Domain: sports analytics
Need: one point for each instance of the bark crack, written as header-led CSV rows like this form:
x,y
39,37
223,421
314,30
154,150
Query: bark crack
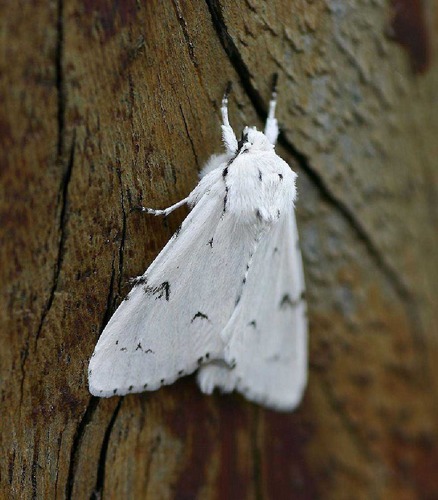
x,y
185,31
77,441
98,490
92,404
62,199
387,270
64,186
189,136
65,181
233,53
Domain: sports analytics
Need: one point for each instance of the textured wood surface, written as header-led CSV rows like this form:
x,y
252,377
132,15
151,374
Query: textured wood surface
x,y
107,104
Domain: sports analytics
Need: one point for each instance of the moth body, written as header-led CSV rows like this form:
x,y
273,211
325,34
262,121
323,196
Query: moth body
x,y
226,294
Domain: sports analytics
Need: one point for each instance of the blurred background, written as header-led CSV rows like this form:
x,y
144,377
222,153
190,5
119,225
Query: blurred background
x,y
106,105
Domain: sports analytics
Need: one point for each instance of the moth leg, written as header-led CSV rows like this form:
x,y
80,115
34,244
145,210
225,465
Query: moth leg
x,y
228,135
271,127
165,211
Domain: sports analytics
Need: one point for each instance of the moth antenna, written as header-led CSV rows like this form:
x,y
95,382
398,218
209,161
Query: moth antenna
x,y
228,135
274,84
271,127
228,89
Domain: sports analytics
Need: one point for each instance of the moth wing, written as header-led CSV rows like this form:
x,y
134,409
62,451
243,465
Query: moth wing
x,y
170,322
267,349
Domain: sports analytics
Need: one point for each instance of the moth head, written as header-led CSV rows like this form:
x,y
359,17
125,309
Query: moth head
x,y
253,141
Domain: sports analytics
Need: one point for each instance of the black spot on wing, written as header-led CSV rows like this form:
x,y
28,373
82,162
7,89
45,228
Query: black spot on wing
x,y
227,92
253,323
201,315
225,198
140,280
225,172
258,214
280,176
210,242
286,300
140,348
159,291
260,176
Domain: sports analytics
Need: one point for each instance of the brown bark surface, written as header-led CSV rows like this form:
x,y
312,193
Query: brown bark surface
x,y
106,105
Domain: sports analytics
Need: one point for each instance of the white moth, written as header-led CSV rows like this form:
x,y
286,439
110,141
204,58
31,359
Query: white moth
x,y
226,294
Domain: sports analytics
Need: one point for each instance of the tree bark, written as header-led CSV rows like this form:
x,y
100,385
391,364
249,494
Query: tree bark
x,y
106,105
